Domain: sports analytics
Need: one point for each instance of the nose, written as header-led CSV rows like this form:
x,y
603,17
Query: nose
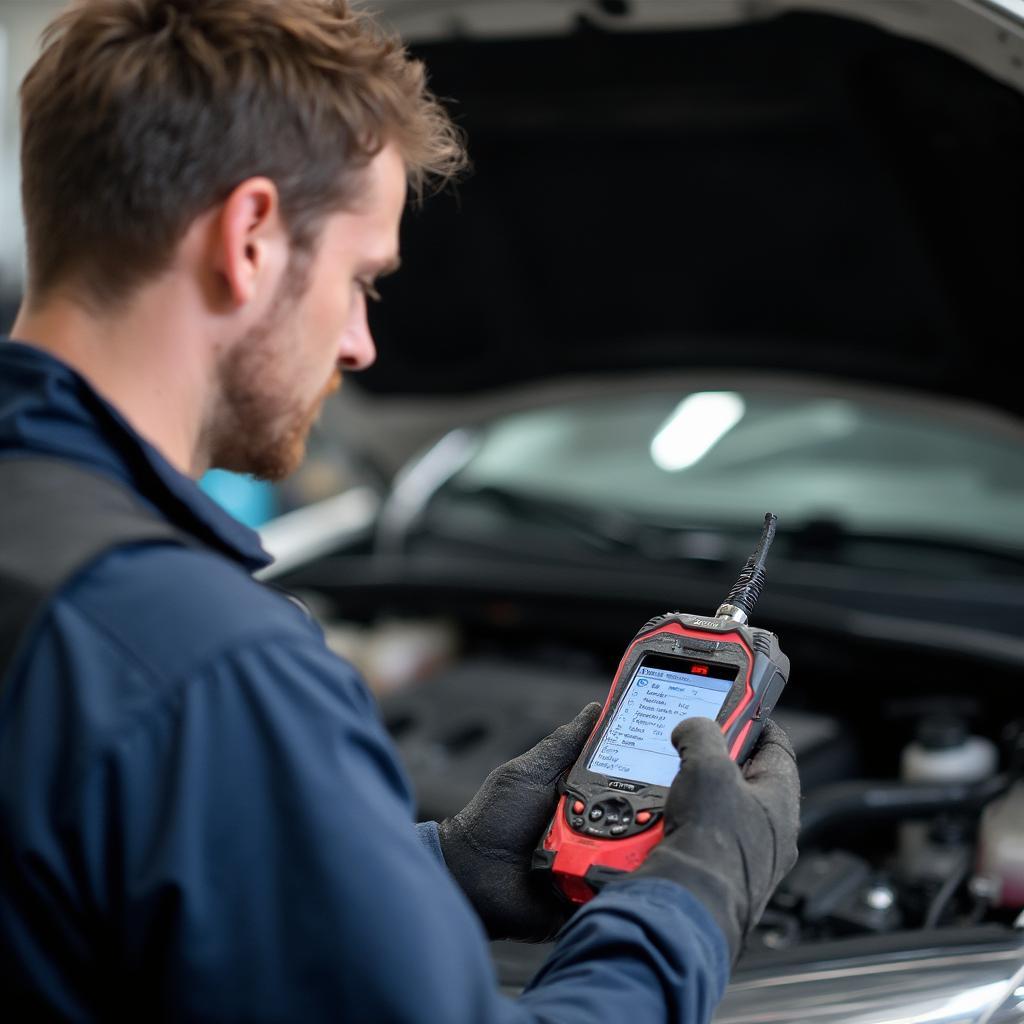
x,y
357,350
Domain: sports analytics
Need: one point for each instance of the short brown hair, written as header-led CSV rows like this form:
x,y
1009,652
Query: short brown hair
x,y
140,115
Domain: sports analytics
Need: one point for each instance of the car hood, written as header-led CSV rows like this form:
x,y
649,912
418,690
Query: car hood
x,y
662,186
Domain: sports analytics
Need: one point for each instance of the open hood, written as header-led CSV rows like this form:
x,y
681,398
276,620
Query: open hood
x,y
796,191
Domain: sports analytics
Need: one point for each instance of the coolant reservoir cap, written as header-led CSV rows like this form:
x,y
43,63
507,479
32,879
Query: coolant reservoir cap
x,y
942,732
945,752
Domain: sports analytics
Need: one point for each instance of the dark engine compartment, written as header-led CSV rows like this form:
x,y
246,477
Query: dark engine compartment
x,y
882,855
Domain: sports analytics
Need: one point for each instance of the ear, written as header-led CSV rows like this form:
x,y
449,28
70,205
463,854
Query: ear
x,y
251,242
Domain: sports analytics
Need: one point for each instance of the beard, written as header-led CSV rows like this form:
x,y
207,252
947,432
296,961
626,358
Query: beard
x,y
261,427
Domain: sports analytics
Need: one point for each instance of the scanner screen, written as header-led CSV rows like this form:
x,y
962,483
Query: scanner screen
x,y
636,745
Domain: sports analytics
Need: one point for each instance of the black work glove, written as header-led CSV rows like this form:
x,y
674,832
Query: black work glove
x,y
730,833
488,846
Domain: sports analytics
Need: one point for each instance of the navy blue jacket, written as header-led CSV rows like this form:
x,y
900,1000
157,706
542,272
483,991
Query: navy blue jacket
x,y
202,817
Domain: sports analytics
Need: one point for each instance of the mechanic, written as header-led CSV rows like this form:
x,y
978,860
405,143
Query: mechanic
x,y
201,814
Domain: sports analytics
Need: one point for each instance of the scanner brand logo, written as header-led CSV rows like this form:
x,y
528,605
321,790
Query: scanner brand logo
x,y
706,623
629,787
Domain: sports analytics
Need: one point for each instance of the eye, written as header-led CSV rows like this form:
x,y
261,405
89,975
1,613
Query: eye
x,y
369,290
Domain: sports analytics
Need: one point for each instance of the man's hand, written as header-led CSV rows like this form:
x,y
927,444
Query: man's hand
x,y
730,834
488,846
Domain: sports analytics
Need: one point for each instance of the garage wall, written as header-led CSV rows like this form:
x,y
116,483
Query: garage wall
x,y
21,22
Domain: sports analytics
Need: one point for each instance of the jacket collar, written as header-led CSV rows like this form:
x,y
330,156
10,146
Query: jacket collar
x,y
47,408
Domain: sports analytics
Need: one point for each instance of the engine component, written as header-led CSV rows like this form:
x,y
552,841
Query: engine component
x,y
1001,847
841,891
942,752
872,800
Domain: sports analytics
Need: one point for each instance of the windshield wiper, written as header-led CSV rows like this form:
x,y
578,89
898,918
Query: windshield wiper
x,y
831,540
824,540
608,530
604,529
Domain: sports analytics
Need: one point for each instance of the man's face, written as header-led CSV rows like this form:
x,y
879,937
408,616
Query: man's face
x,y
274,379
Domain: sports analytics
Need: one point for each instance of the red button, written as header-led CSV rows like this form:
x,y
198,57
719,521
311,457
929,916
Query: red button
x,y
642,817
577,808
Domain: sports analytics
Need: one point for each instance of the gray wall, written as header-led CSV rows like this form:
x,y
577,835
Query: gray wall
x,y
21,22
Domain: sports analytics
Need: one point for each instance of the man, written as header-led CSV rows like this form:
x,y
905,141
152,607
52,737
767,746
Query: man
x,y
201,816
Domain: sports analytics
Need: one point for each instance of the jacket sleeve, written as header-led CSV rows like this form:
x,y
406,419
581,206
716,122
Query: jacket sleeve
x,y
269,869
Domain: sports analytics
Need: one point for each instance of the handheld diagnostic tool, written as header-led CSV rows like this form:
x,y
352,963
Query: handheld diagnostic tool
x,y
609,814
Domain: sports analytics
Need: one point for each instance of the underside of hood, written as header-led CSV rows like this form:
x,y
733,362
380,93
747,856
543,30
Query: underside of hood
x,y
807,193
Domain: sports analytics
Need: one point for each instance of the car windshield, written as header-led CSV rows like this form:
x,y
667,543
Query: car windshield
x,y
721,458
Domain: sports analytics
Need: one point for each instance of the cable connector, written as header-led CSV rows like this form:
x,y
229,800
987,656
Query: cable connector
x,y
747,589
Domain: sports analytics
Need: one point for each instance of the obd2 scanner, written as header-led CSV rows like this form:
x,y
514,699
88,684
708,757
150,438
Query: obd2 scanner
x,y
610,811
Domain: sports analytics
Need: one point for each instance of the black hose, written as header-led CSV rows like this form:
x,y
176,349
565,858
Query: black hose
x,y
875,801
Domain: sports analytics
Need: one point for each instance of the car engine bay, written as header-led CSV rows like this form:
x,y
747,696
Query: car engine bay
x,y
911,756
